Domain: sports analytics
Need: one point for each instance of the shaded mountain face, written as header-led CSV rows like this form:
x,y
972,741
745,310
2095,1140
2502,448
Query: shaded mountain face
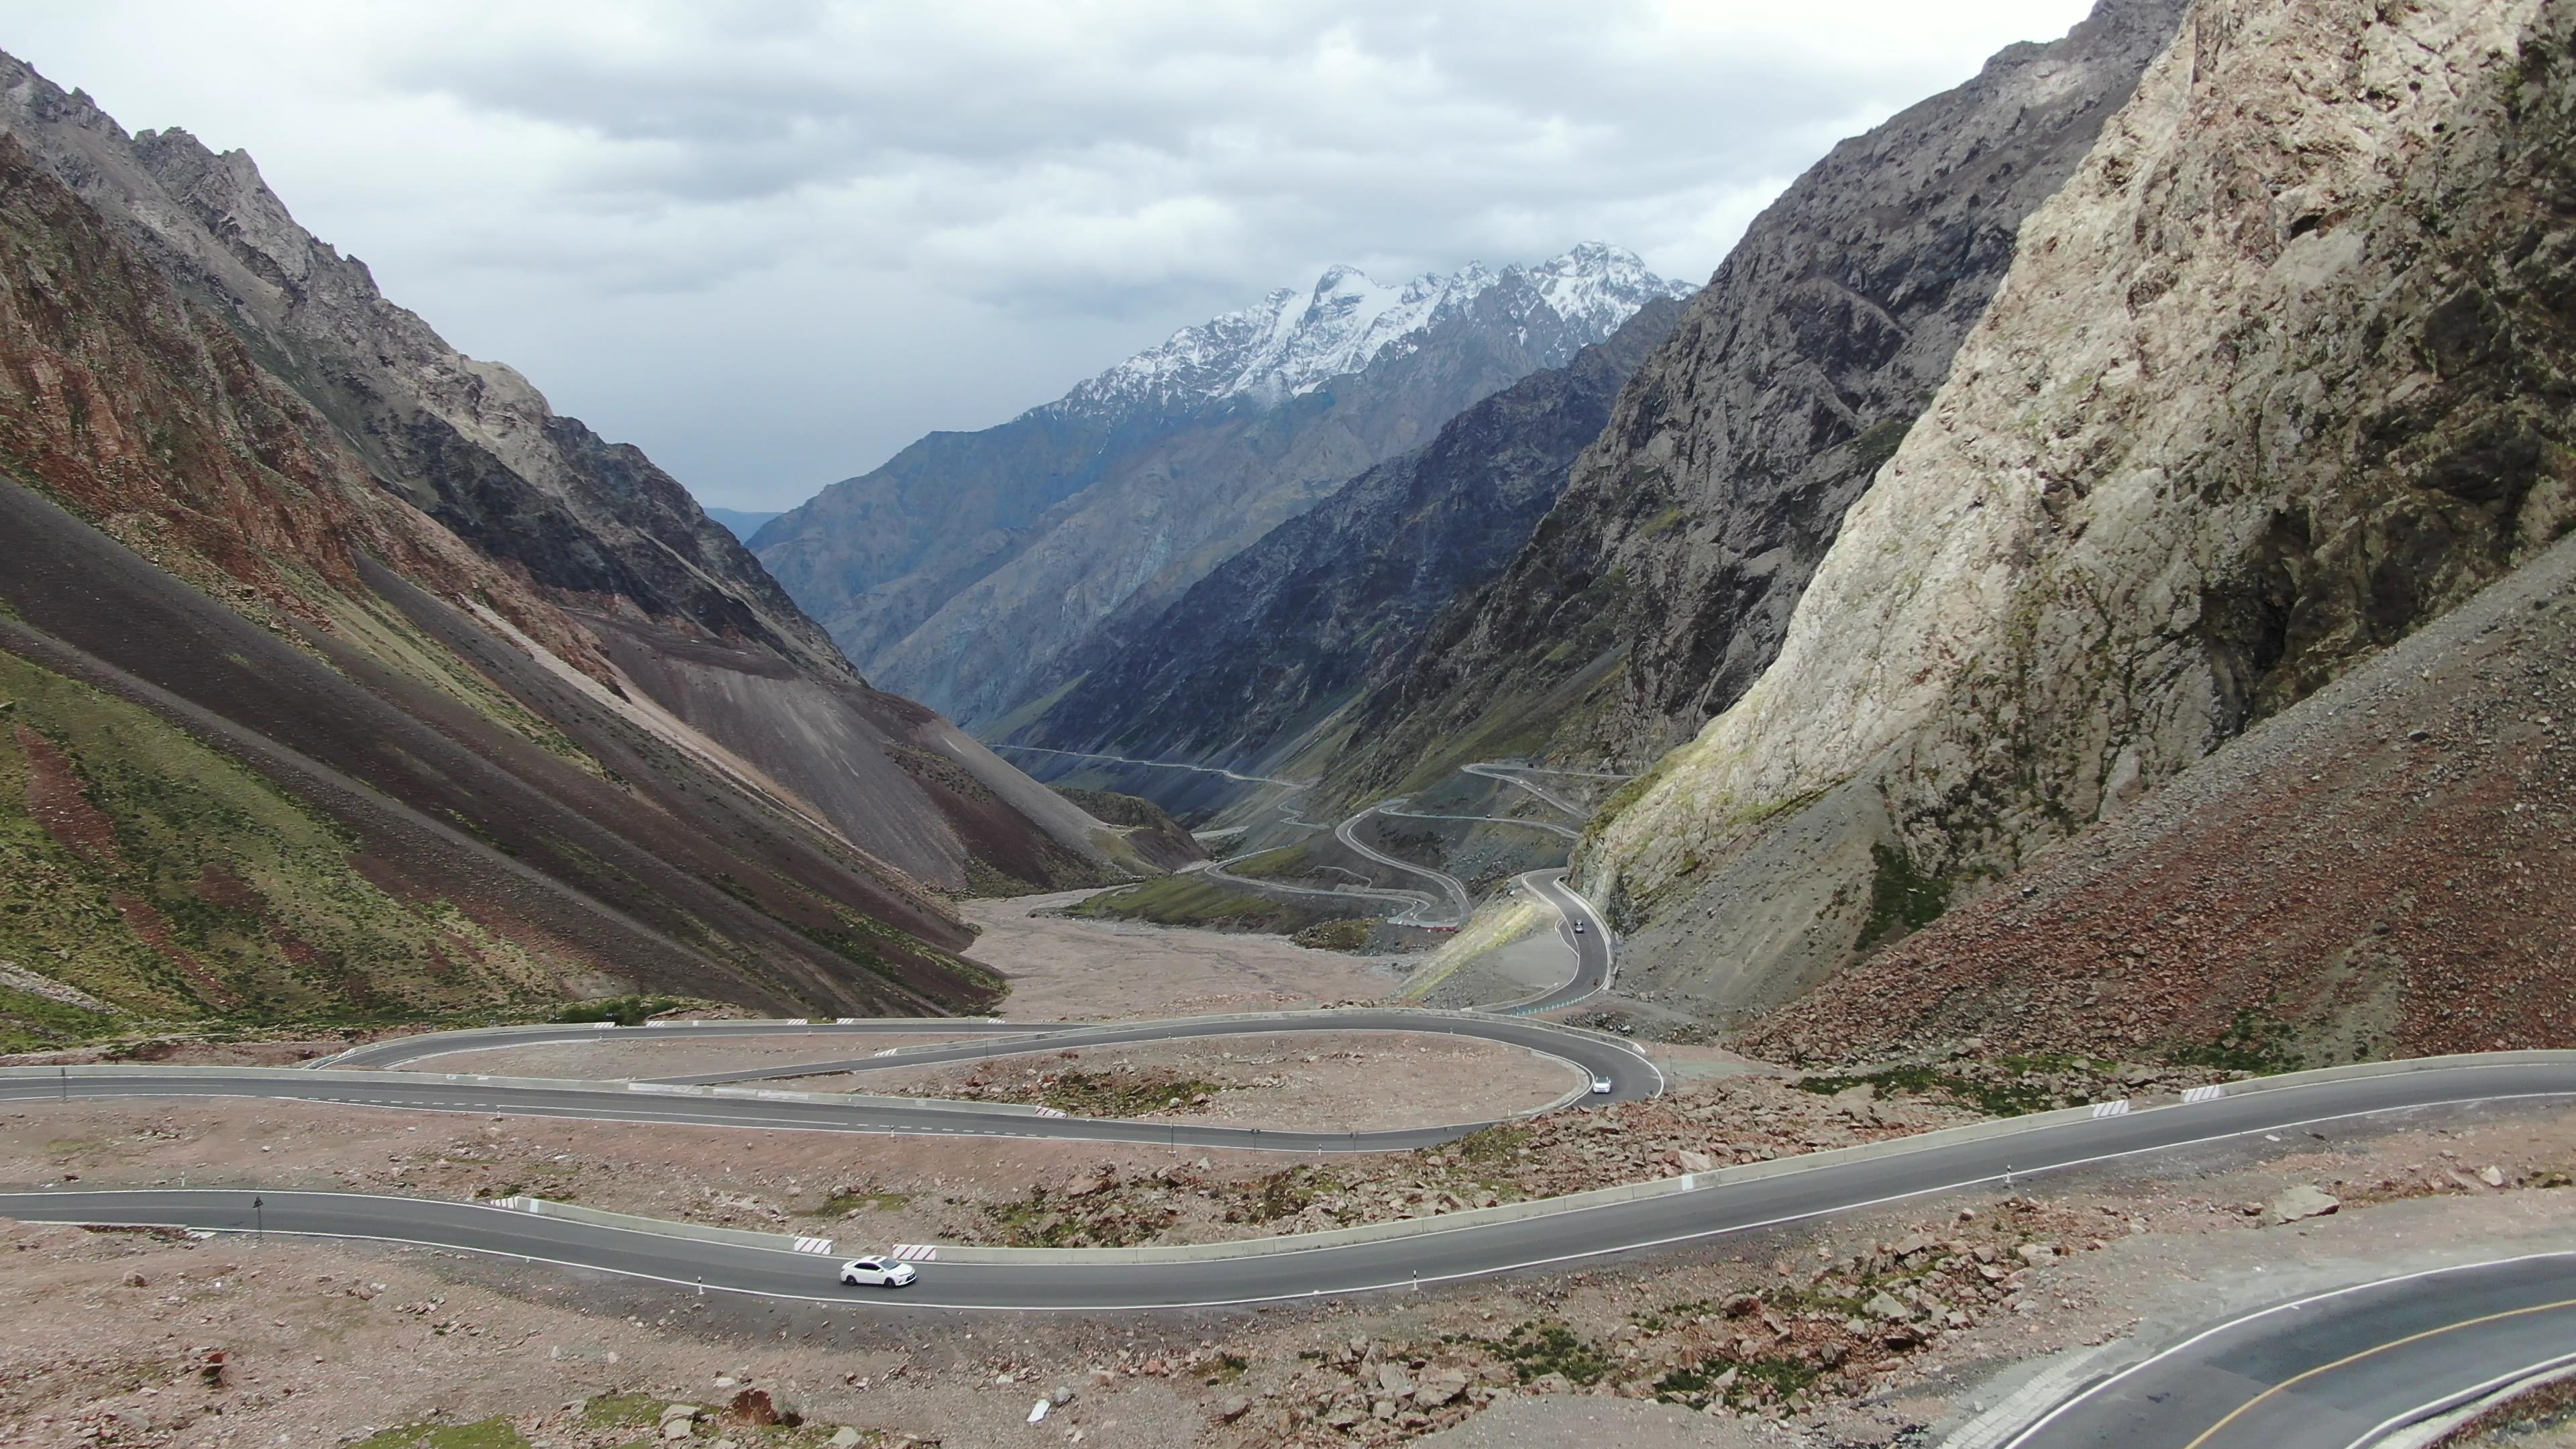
x,y
967,566
1660,585
1280,636
2218,441
331,690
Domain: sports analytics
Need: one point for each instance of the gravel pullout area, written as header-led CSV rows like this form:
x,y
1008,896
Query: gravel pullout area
x,y
1080,970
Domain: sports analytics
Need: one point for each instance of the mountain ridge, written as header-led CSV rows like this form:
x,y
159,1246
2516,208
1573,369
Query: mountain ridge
x,y
960,569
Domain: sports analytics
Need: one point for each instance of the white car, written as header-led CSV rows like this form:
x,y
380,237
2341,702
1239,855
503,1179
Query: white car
x,y
876,1273
1578,928
1600,1085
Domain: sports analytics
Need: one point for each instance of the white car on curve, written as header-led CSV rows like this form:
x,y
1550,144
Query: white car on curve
x,y
876,1273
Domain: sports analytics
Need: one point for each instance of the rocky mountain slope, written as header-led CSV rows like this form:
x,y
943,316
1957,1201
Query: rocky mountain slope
x,y
960,570
2386,868
2276,378
1659,586
318,705
1281,635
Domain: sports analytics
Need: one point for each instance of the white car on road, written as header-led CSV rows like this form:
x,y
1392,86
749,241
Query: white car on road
x,y
1600,1085
876,1273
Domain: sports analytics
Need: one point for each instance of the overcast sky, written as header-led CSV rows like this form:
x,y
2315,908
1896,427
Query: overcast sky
x,y
772,241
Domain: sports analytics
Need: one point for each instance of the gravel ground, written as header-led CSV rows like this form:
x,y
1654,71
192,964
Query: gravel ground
x,y
1075,970
1306,1081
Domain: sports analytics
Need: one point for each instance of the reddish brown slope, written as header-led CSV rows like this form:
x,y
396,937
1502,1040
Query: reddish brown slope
x,y
321,637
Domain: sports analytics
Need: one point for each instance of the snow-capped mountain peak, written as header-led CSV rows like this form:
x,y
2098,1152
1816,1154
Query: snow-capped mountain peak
x,y
1293,342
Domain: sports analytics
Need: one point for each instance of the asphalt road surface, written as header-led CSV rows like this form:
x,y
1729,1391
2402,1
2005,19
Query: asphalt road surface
x,y
1554,1240
1591,945
1629,1073
2334,1370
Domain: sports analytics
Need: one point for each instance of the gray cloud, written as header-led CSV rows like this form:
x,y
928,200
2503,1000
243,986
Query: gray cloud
x,y
773,240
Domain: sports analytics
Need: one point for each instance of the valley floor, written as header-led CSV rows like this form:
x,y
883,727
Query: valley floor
x,y
1854,1330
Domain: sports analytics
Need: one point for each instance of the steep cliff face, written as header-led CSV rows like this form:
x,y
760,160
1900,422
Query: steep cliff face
x,y
962,570
1660,585
1284,633
2277,377
613,547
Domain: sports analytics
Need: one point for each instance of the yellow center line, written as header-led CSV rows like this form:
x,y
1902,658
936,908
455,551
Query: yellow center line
x,y
2287,1384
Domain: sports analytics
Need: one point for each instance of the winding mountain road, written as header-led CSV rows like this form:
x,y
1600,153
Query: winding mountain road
x,y
1293,1268
2336,1370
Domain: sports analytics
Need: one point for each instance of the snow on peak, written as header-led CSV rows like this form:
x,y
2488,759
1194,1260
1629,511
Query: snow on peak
x,y
1293,342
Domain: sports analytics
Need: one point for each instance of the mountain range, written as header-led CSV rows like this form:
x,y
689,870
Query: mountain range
x,y
344,677
963,569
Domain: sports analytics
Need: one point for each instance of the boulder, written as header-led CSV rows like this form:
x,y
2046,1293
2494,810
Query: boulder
x,y
1695,1161
1392,1378
1885,1307
753,1406
1439,1388
844,1437
1234,1408
2303,1201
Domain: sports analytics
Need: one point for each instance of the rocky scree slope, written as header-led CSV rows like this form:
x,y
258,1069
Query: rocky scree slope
x,y
969,563
2279,376
1660,585
693,636
1281,635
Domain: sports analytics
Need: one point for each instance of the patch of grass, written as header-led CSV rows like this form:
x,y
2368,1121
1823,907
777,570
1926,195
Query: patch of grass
x,y
1284,1194
1225,1368
1115,1094
1351,935
1902,899
1871,450
2255,1044
1187,900
201,892
850,1199
617,1411
486,1434
623,1010
1111,808
1535,1350
1995,1099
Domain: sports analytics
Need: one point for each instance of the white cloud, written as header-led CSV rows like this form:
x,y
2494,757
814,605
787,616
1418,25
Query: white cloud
x,y
773,240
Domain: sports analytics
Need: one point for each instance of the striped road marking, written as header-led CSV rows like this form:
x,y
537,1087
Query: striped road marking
x,y
814,1245
2203,1094
917,1252
2119,1108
